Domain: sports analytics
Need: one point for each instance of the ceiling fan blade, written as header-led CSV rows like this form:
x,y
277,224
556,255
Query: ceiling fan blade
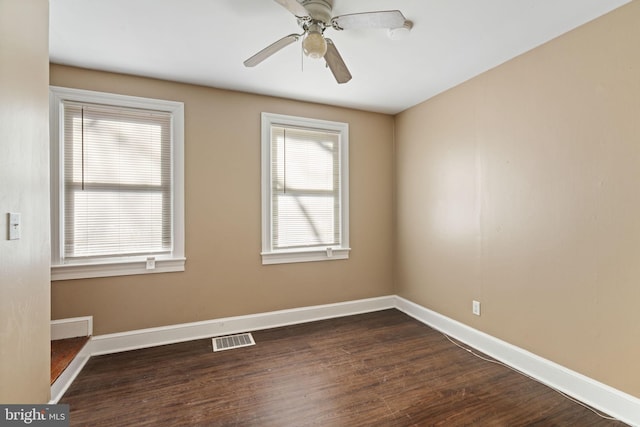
x,y
271,49
381,19
294,7
336,64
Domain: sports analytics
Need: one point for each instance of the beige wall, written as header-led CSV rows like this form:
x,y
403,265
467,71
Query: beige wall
x,y
224,275
24,188
519,189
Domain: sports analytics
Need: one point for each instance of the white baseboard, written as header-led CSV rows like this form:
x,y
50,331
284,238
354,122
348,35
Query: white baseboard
x,y
72,327
62,383
142,338
600,396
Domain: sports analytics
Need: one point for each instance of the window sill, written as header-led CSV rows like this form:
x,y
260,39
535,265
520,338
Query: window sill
x,y
115,268
285,257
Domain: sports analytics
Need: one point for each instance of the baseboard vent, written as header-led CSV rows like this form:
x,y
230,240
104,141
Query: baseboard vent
x,y
233,341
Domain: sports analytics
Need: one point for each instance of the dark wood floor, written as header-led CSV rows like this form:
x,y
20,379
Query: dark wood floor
x,y
63,352
376,369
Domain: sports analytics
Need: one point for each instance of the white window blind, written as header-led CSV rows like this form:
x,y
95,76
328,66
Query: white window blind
x,y
306,188
117,181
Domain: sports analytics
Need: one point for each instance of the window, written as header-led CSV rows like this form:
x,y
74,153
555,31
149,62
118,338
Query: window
x,y
305,189
117,197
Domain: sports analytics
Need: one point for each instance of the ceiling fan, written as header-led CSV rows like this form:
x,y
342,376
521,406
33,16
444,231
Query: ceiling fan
x,y
314,17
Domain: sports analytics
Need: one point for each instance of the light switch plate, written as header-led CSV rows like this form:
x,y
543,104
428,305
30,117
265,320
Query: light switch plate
x,y
14,226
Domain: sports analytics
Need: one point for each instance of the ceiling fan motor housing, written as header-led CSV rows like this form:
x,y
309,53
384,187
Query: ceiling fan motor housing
x,y
319,10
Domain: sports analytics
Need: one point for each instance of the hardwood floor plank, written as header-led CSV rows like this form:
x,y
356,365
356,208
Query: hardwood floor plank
x,y
62,353
375,369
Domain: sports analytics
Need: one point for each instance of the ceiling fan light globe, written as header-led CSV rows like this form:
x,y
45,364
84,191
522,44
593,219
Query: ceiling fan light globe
x,y
314,45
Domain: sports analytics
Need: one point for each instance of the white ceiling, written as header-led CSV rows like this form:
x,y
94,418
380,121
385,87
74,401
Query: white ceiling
x,y
205,42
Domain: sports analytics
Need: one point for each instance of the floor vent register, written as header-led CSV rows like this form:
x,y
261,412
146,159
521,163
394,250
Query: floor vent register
x,y
233,341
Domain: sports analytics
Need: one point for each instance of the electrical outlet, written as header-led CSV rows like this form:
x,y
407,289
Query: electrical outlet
x,y
475,308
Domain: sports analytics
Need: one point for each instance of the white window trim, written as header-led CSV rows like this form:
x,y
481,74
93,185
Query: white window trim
x,y
270,256
122,266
